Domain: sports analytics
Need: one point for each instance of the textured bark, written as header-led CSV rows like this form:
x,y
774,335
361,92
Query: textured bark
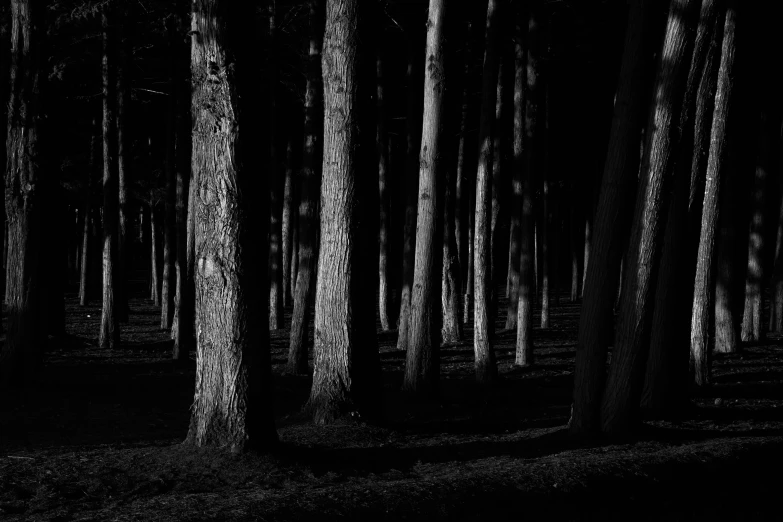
x,y
665,389
422,363
169,276
573,246
620,408
85,246
486,369
470,272
611,222
21,353
287,220
342,379
309,187
545,257
413,123
586,256
275,261
518,172
232,406
109,337
123,254
382,150
154,264
751,321
524,158
703,306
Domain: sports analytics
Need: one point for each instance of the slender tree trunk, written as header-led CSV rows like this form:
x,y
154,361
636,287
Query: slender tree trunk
x,y
109,337
85,250
525,122
703,306
169,276
276,183
611,221
486,369
232,406
573,246
545,261
309,185
470,273
294,249
154,278
751,323
776,297
21,353
382,150
121,297
665,389
288,222
414,132
422,363
586,256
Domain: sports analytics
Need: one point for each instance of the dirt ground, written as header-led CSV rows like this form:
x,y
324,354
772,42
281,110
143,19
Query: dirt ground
x,y
97,438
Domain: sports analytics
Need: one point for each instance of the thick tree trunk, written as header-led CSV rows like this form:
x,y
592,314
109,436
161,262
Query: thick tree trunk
x,y
21,353
612,219
288,221
751,322
340,356
232,406
525,123
169,276
620,408
703,307
309,185
121,298
109,337
414,129
275,261
422,363
382,150
665,389
486,369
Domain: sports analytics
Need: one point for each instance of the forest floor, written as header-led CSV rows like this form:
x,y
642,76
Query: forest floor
x,y
97,438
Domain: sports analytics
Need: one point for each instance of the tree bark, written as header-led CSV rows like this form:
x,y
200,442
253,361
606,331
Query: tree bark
x,y
109,337
703,307
751,322
21,353
414,116
525,122
620,408
169,276
486,369
276,183
573,246
85,250
342,381
422,363
288,221
121,298
382,150
309,187
611,222
665,389
232,406
154,277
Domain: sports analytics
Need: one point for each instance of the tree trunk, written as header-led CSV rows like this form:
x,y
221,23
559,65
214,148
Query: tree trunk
x,y
665,389
309,185
611,221
586,256
751,323
85,250
525,122
422,363
620,408
382,150
573,246
169,276
415,103
154,277
486,369
776,291
470,272
342,382
288,221
703,306
21,353
109,337
232,406
275,266
545,261
121,297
